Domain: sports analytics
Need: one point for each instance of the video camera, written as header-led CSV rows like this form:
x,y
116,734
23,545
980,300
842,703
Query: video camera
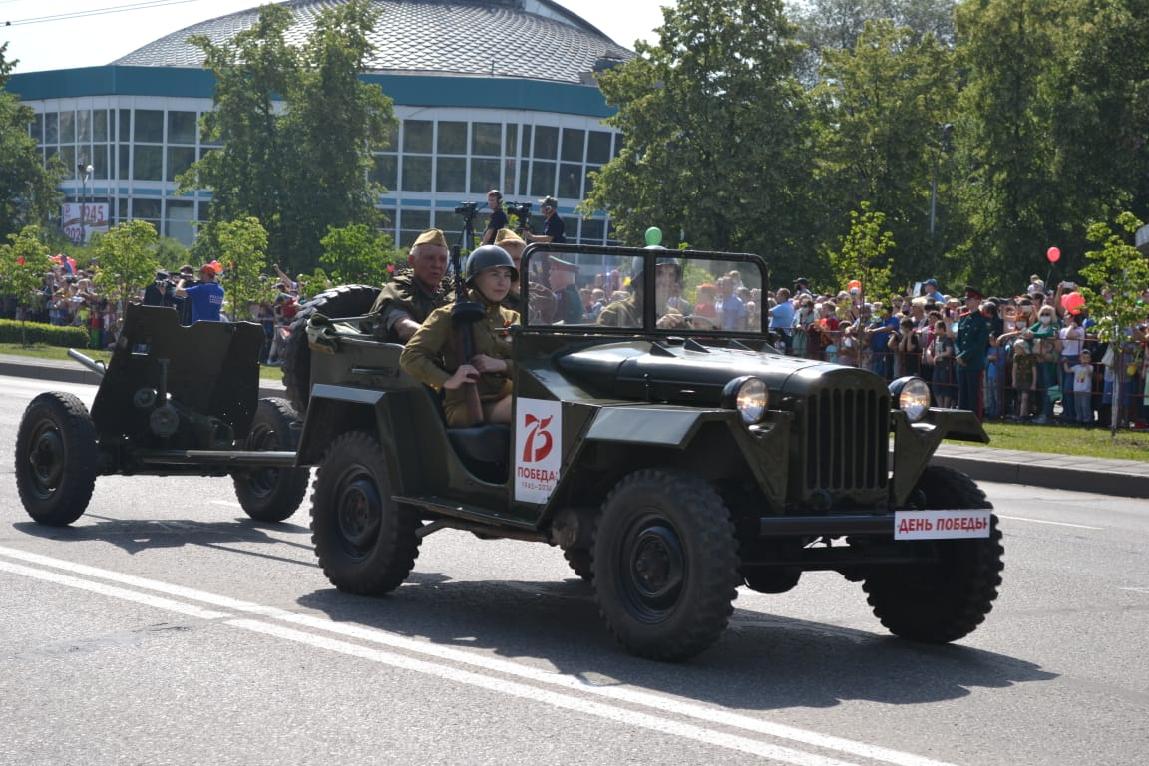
x,y
522,210
467,208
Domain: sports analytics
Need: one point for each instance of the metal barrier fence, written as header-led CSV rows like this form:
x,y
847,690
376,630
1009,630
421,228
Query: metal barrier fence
x,y
1032,390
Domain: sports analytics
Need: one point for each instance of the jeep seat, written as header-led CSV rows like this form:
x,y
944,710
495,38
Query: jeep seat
x,y
484,450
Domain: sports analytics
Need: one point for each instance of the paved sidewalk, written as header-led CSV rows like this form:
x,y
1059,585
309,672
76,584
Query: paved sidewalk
x,y
1122,478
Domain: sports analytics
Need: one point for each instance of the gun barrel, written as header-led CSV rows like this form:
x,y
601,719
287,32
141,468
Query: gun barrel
x,y
97,367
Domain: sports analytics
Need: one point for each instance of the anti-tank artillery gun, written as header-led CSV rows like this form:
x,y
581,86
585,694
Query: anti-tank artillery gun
x,y
172,401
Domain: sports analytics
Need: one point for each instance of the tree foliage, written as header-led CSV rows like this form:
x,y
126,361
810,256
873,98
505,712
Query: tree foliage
x,y
127,263
716,131
28,193
356,254
23,262
864,253
884,109
296,129
242,249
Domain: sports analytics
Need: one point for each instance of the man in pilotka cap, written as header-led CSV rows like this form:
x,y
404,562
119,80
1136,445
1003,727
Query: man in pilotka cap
x,y
413,293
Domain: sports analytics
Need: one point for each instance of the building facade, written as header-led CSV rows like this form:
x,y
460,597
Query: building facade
x,y
470,115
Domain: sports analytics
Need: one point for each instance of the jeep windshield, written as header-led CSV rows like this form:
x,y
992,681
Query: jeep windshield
x,y
605,288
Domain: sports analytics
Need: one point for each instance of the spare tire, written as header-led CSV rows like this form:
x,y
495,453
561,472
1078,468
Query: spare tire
x,y
344,301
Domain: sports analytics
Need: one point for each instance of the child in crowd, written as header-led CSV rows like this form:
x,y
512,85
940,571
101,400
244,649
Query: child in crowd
x,y
941,352
1082,373
1024,374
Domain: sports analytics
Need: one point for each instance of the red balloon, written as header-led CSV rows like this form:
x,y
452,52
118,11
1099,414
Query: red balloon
x,y
1053,254
1073,302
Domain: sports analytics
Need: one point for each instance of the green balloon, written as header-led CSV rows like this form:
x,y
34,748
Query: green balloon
x,y
654,236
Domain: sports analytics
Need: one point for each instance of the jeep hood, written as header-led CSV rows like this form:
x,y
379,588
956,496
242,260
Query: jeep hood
x,y
695,373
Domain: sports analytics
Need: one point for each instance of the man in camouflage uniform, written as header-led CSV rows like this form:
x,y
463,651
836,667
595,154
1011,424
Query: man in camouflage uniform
x,y
408,299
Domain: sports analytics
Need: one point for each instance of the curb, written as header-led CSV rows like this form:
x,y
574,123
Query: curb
x,y
1050,474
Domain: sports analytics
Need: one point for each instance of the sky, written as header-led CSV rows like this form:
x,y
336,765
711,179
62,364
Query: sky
x,y
101,37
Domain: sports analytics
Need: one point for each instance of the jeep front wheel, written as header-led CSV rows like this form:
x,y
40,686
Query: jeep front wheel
x,y
946,599
365,542
665,564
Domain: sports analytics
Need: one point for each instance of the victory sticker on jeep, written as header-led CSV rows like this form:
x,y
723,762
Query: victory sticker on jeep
x,y
538,449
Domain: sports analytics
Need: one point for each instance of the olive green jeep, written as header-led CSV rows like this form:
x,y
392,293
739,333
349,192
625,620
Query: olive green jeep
x,y
664,445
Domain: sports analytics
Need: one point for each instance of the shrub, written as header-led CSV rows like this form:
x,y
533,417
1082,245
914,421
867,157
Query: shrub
x,y
12,331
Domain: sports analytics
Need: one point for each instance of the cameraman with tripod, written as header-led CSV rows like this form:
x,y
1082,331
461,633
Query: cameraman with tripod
x,y
498,216
553,226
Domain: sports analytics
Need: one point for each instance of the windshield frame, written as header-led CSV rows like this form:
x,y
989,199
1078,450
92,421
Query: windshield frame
x,y
650,257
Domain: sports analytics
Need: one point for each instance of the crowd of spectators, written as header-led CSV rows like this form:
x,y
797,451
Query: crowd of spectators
x,y
68,296
1042,362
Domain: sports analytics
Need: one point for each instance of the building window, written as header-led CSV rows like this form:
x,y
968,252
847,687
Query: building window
x,y
146,208
180,158
51,128
598,147
570,181
84,127
485,176
542,178
148,164
412,223
100,125
67,127
181,127
572,145
486,139
149,126
417,174
417,136
546,143
178,223
592,231
452,138
451,175
383,172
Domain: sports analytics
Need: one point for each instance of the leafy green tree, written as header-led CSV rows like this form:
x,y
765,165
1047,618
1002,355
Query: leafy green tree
x,y
1009,192
355,253
243,253
28,193
884,109
299,165
716,135
171,253
334,121
23,263
1117,273
127,260
864,254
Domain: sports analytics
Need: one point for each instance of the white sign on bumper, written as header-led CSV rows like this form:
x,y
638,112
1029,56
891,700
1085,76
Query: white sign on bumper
x,y
942,525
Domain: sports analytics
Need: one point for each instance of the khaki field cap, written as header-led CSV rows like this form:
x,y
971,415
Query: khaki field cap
x,y
506,235
431,237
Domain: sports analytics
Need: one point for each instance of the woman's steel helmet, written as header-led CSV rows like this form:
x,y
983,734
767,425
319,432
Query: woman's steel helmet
x,y
488,257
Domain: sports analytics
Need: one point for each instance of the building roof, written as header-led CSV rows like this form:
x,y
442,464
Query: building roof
x,y
533,39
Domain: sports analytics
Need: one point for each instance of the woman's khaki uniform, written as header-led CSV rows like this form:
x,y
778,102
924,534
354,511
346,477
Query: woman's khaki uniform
x,y
432,356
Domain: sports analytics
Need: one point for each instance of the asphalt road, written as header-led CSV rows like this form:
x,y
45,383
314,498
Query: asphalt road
x,y
164,627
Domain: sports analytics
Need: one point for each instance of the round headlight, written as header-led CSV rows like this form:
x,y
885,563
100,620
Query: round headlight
x,y
913,395
749,396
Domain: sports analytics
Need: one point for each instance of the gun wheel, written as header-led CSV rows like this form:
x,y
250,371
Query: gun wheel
x,y
271,494
57,459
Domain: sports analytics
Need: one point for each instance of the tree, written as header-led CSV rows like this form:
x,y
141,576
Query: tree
x,y
127,262
243,253
334,121
863,253
300,165
884,113
716,140
28,193
1009,192
23,263
1117,274
355,254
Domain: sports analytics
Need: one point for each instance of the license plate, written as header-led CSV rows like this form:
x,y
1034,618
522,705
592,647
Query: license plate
x,y
941,525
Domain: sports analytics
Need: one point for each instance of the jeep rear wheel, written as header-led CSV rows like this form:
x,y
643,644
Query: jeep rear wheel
x,y
271,494
943,601
345,301
579,560
57,459
365,542
665,564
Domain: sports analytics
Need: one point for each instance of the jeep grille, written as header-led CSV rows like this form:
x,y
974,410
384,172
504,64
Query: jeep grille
x,y
847,439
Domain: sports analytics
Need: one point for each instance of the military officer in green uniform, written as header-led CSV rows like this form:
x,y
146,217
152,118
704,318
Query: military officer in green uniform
x,y
432,354
406,301
970,346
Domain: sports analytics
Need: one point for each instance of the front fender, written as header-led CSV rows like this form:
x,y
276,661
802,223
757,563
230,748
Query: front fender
x,y
916,443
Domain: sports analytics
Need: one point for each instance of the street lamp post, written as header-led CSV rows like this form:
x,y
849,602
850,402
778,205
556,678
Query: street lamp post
x,y
85,172
945,131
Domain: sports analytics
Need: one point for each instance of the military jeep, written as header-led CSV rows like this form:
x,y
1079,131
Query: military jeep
x,y
673,456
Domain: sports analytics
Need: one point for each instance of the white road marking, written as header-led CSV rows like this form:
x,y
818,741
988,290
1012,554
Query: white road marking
x,y
1050,523
1137,590
648,700
225,503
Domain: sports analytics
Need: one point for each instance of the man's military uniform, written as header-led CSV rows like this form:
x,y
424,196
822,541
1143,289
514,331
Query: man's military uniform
x,y
406,297
432,351
970,345
625,313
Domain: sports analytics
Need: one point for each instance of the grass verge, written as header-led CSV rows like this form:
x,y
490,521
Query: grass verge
x,y
40,351
1067,440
